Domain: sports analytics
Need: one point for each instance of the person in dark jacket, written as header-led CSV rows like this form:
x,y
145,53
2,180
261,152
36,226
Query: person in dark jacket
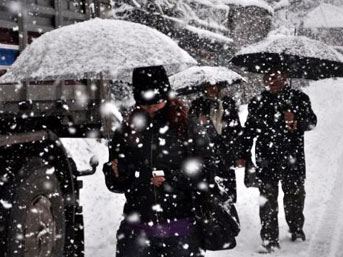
x,y
278,119
157,160
219,114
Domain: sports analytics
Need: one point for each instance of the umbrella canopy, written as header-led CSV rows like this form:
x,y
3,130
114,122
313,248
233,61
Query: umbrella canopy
x,y
299,56
87,49
190,80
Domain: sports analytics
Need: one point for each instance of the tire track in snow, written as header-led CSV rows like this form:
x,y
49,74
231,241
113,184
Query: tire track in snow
x,y
327,240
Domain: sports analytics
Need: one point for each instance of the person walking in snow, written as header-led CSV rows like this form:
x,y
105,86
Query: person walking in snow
x,y
157,158
219,115
278,119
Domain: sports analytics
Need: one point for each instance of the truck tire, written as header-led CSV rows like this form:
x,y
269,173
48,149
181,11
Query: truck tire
x,y
36,225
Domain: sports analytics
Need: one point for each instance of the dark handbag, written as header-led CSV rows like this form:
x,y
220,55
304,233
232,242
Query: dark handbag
x,y
217,219
250,174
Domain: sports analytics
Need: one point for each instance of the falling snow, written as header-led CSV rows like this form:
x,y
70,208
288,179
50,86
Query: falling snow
x,y
102,209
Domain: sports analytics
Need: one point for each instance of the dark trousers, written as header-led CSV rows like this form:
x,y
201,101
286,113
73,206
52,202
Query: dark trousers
x,y
294,200
132,243
231,185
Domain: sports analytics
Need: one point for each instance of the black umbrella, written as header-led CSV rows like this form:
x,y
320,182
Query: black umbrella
x,y
299,56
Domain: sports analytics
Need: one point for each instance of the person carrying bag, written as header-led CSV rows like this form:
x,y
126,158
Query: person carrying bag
x,y
215,212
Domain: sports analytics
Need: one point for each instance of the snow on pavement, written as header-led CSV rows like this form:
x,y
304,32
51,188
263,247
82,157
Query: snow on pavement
x,y
102,209
325,177
324,202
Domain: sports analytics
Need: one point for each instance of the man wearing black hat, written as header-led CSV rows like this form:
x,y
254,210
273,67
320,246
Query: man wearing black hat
x,y
149,164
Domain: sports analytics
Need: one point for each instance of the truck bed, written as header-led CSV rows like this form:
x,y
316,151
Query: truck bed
x,y
70,110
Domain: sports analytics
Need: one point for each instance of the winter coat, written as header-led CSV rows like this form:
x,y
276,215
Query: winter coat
x,y
155,144
225,144
279,151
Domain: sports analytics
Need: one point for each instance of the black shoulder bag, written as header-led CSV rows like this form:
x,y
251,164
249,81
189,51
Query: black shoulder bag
x,y
216,217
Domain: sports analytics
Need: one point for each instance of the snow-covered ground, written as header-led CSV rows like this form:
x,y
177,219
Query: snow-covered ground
x,y
324,202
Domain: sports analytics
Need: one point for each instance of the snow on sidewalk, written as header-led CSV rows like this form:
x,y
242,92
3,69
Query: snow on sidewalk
x,y
325,165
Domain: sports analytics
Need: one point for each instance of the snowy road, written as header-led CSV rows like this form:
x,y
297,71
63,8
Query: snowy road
x,y
324,202
327,239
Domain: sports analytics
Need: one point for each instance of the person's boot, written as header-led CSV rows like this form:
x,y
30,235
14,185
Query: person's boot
x,y
298,235
268,247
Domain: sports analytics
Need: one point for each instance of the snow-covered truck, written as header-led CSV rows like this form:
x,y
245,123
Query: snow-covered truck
x,y
40,214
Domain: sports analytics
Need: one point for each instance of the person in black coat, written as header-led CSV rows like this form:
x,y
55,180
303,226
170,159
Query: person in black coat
x,y
219,114
278,118
158,159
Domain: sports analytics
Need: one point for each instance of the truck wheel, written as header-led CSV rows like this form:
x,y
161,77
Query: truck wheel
x,y
37,219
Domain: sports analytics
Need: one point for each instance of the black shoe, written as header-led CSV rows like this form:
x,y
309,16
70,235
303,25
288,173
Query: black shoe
x,y
298,235
266,248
